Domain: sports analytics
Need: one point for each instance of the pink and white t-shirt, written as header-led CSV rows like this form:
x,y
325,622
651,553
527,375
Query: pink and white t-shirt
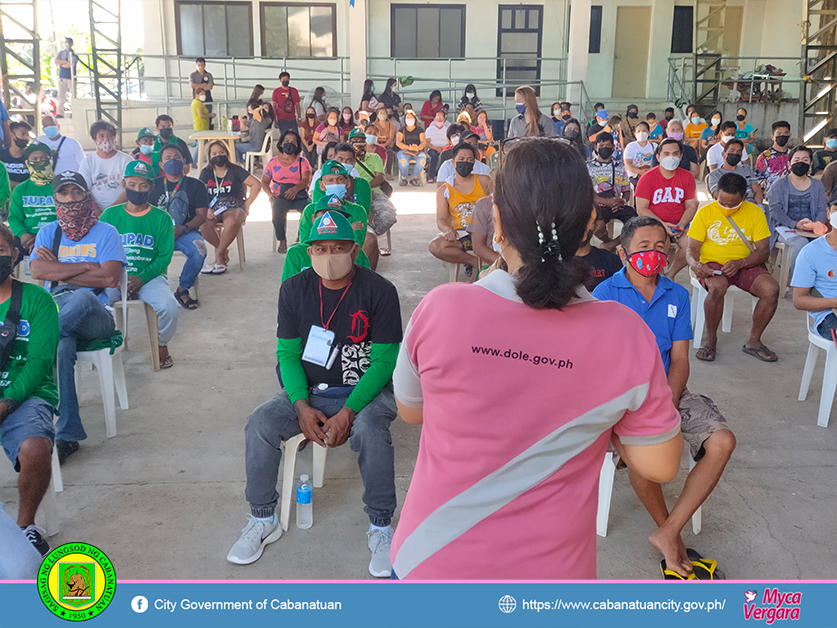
x,y
518,405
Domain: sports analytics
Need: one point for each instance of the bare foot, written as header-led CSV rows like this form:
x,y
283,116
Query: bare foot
x,y
673,550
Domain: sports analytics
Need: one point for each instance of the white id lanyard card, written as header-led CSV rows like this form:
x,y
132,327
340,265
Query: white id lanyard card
x,y
318,346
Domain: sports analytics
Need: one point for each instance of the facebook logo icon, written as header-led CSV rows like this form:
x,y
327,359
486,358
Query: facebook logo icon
x,y
139,604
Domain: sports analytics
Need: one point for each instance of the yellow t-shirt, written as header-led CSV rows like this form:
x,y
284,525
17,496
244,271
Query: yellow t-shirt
x,y
720,241
694,131
198,123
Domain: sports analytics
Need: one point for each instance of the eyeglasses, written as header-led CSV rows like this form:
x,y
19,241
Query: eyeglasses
x,y
512,142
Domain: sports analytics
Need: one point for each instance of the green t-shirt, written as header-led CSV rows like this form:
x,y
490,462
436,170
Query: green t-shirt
x,y
32,207
5,187
29,371
297,260
358,216
363,193
148,240
373,163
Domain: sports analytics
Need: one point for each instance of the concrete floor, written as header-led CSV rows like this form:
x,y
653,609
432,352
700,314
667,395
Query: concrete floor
x,y
164,498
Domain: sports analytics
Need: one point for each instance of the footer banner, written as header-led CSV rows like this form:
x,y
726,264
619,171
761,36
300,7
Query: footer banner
x,y
81,590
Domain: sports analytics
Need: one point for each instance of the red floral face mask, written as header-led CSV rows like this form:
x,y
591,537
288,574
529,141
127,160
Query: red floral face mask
x,y
648,263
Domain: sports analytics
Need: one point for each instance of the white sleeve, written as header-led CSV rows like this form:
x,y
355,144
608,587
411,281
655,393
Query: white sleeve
x,y
446,171
405,379
85,169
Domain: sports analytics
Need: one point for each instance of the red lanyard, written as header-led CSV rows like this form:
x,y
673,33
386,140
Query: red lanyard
x,y
327,323
173,192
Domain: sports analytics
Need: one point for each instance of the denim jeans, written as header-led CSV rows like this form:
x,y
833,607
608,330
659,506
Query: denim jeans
x,y
193,246
157,294
404,164
81,316
432,170
245,147
275,422
286,125
827,324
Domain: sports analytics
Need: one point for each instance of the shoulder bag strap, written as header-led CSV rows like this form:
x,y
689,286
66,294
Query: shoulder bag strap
x,y
13,315
57,151
56,241
741,235
368,171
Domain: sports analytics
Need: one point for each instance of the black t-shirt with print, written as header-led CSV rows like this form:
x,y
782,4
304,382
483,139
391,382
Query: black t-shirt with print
x,y
194,190
369,313
15,166
230,187
603,265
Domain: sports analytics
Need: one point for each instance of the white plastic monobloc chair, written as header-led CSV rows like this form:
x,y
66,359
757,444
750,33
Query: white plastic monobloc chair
x,y
289,450
699,314
47,515
782,263
110,370
608,473
829,379
263,155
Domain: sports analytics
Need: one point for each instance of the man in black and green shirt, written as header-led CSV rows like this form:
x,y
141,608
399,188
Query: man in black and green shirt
x,y
32,204
148,239
339,331
28,394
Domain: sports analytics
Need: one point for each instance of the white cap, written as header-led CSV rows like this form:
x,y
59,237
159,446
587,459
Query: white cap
x,y
303,477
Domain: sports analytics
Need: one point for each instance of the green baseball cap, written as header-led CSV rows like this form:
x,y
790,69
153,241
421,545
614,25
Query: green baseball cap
x,y
357,132
331,226
332,166
329,202
147,132
140,169
34,147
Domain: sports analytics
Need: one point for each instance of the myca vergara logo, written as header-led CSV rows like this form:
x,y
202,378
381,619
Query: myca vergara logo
x,y
774,605
76,581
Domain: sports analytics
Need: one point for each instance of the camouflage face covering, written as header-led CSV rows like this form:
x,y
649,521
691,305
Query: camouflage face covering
x,y
41,172
76,218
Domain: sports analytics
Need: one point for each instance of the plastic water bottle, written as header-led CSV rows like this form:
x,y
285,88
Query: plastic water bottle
x,y
304,508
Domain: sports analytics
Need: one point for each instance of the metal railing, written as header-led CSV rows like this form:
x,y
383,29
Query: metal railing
x,y
751,85
489,75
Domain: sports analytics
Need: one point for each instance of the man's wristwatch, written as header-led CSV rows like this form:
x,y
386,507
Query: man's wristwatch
x,y
187,229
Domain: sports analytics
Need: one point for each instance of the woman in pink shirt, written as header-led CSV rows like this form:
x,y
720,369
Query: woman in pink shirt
x,y
506,481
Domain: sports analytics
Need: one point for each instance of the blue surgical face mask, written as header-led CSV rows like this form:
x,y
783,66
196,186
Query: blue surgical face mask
x,y
146,149
496,246
521,108
173,167
831,144
336,189
51,132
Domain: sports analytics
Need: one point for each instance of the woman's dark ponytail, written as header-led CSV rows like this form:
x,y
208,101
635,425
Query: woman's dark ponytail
x,y
545,199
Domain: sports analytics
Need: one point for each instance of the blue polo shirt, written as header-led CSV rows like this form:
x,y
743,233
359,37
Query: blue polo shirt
x,y
668,315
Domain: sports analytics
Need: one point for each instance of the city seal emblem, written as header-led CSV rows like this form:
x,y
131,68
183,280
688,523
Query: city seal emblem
x,y
76,581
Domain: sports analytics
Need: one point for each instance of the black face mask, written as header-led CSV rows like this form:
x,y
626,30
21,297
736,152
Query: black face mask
x,y
464,168
571,134
566,116
669,116
605,152
800,168
733,159
21,143
290,149
632,114
740,118
5,267
219,160
285,83
781,140
166,133
135,197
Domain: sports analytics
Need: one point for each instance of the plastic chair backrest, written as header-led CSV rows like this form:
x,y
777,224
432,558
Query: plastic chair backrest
x,y
123,288
266,144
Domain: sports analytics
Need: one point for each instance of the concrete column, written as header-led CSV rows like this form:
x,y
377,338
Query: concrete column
x,y
662,19
579,40
357,48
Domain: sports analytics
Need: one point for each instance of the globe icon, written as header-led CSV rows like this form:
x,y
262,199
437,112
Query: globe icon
x,y
507,604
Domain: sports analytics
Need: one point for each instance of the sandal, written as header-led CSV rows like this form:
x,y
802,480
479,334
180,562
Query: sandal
x,y
705,568
762,353
185,299
403,183
207,269
167,362
218,269
385,252
707,354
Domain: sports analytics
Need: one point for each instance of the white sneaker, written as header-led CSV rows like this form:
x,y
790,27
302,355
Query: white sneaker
x,y
380,543
248,549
